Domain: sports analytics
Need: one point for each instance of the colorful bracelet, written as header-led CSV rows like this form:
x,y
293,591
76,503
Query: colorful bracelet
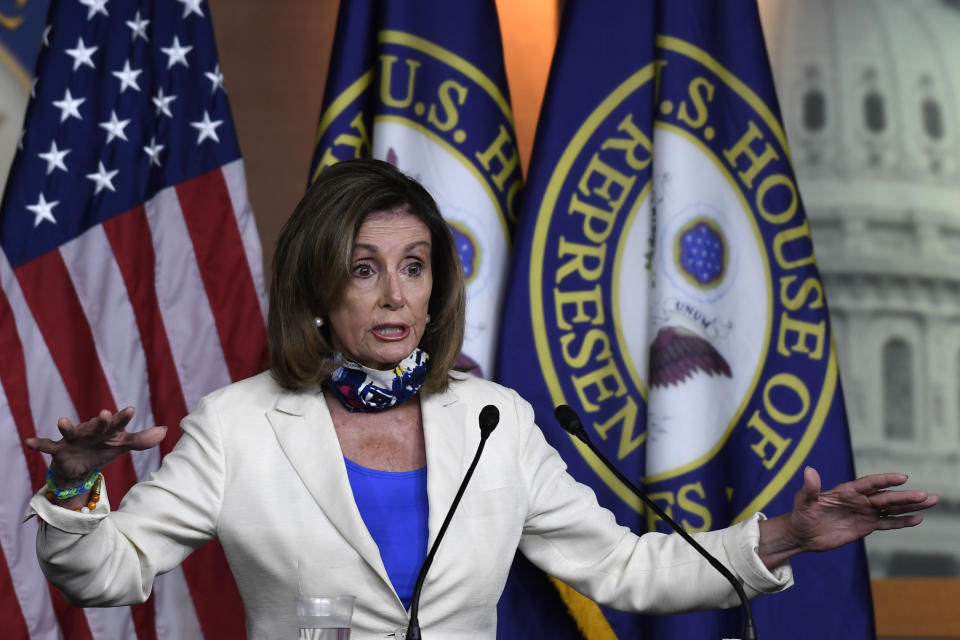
x,y
63,494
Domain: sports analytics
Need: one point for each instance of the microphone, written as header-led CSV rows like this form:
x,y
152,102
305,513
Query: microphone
x,y
489,418
570,422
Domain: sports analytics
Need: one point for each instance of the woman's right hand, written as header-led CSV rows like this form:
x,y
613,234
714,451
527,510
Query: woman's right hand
x,y
92,444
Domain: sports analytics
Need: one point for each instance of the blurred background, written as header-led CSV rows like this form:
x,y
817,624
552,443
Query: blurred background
x,y
870,96
869,93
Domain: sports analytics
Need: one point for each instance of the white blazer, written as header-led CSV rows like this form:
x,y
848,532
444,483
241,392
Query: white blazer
x,y
261,469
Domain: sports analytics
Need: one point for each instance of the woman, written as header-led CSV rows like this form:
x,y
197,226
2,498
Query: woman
x,y
317,475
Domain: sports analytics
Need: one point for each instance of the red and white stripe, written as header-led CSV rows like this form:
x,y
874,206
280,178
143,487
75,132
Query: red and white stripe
x,y
154,308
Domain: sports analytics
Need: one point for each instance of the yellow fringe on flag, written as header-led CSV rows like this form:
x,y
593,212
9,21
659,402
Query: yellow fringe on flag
x,y
591,621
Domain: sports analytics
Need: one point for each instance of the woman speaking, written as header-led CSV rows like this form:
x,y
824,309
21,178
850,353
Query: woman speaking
x,y
331,472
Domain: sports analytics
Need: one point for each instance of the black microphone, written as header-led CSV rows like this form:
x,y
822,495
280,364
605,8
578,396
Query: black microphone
x,y
570,422
489,417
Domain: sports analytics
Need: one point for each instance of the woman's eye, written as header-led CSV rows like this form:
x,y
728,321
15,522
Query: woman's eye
x,y
362,270
415,268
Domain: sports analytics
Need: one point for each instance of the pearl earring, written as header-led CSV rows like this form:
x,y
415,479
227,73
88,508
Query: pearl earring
x,y
319,321
428,318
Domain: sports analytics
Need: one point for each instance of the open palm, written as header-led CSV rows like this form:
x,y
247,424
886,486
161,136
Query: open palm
x,y
91,444
825,520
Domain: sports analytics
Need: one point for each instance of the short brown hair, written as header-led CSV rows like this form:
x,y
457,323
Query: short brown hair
x,y
311,268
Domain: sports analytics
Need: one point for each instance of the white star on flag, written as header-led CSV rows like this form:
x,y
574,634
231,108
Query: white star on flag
x,y
68,106
153,150
115,127
54,157
216,78
162,103
102,178
46,35
81,55
95,6
176,53
138,27
43,210
33,86
191,6
128,77
207,128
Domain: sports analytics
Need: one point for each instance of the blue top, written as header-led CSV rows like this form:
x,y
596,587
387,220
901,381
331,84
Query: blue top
x,y
393,505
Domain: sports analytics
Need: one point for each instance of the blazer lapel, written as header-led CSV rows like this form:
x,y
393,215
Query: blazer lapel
x,y
305,431
444,433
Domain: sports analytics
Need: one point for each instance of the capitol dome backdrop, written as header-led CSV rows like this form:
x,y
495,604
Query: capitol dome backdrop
x,y
870,95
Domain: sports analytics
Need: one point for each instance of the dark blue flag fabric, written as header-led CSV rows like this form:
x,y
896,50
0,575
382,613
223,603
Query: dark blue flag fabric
x,y
664,285
421,84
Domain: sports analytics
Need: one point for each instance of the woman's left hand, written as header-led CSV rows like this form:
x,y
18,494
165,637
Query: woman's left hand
x,y
821,521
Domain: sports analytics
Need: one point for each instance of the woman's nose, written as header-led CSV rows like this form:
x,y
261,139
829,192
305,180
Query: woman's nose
x,y
391,297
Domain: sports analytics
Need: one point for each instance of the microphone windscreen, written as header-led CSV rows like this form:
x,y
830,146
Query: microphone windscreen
x,y
568,419
489,418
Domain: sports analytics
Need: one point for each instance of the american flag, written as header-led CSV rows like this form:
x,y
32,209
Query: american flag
x,y
131,275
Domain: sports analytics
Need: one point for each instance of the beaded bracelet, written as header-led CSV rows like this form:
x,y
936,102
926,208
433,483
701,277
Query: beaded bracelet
x,y
94,496
91,503
63,494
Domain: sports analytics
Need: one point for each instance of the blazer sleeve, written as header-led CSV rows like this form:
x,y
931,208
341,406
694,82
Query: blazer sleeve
x,y
109,558
570,536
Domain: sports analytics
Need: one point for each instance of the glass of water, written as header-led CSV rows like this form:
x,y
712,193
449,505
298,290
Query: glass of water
x,y
324,617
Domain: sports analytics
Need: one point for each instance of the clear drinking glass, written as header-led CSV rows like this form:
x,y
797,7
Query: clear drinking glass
x,y
324,617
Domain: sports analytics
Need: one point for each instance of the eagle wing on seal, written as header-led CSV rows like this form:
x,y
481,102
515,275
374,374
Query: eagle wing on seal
x,y
676,354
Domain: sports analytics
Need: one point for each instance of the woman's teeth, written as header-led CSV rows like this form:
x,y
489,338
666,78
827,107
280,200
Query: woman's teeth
x,y
389,330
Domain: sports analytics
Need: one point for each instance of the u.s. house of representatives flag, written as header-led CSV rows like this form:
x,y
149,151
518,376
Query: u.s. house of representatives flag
x,y
131,275
664,285
20,27
421,84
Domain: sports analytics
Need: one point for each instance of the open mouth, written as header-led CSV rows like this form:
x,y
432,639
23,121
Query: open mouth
x,y
391,331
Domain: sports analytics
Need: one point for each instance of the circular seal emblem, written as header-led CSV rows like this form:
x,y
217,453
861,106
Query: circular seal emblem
x,y
674,296
440,119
